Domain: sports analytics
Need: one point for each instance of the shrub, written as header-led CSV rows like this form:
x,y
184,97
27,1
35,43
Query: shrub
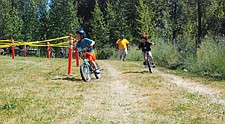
x,y
166,55
210,59
105,53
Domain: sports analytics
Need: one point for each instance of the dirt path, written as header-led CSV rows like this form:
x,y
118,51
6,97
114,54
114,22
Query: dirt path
x,y
112,100
191,86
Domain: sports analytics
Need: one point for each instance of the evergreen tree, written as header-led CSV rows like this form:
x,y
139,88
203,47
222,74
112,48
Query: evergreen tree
x,y
111,22
100,32
10,22
145,19
43,16
29,15
118,20
63,18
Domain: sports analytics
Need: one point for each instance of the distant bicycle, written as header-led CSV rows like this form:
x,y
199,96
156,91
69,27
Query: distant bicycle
x,y
86,69
148,61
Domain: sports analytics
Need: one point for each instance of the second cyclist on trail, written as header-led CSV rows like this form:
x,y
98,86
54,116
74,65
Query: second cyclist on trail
x,y
146,47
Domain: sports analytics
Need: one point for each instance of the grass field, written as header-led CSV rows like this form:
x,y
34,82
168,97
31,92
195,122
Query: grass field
x,y
37,90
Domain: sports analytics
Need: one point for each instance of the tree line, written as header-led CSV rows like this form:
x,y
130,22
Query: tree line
x,y
106,20
189,33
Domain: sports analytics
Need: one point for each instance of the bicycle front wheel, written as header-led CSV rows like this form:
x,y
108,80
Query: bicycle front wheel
x,y
98,75
149,65
85,72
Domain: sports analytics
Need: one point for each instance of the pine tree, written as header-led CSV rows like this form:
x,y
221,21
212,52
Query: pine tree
x,y
29,15
63,18
111,23
100,32
145,19
118,20
43,16
10,22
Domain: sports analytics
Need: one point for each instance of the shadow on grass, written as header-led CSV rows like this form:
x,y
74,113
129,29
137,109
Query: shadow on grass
x,y
67,78
136,72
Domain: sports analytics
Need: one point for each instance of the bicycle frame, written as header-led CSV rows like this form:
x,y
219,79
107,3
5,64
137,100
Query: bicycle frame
x,y
86,61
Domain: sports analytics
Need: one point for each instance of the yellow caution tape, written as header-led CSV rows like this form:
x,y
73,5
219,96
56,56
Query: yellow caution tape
x,y
35,43
50,40
5,41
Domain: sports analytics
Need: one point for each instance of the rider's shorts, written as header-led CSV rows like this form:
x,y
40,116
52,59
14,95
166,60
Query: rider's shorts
x,y
149,52
90,56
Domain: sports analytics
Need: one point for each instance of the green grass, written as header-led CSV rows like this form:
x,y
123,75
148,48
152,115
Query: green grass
x,y
36,90
174,104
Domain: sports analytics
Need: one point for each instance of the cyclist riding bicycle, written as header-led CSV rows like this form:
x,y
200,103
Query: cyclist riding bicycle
x,y
87,43
146,47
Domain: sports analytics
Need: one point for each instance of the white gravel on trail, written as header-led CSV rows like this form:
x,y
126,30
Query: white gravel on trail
x,y
191,86
113,101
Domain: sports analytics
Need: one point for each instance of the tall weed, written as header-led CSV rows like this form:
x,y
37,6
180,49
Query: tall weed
x,y
165,54
210,60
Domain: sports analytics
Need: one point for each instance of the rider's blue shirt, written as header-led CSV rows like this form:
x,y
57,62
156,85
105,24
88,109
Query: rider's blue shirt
x,y
85,43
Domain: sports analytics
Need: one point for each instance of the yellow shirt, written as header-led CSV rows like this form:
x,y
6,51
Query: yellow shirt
x,y
122,43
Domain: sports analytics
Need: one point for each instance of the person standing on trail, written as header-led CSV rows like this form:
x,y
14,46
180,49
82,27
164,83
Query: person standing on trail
x,y
86,43
122,44
146,47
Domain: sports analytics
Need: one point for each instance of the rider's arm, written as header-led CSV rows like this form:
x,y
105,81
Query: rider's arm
x,y
92,44
153,44
77,45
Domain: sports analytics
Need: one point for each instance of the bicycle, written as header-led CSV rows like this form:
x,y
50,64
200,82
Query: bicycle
x,y
148,61
86,68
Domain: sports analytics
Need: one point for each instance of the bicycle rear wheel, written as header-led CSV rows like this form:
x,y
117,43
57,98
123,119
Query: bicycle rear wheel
x,y
149,65
85,72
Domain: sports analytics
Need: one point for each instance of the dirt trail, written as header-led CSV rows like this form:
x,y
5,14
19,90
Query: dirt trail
x,y
191,86
113,100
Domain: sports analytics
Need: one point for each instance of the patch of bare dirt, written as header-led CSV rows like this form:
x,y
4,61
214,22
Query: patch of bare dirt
x,y
191,86
112,100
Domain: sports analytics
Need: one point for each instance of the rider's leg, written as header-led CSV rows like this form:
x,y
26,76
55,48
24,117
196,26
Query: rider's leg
x,y
153,63
92,58
93,64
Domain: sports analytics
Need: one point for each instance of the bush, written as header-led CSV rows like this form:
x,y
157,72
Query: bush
x,y
135,55
166,55
210,59
105,53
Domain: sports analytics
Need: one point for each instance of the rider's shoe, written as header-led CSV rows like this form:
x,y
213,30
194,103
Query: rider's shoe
x,y
144,63
97,71
124,60
153,65
145,66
